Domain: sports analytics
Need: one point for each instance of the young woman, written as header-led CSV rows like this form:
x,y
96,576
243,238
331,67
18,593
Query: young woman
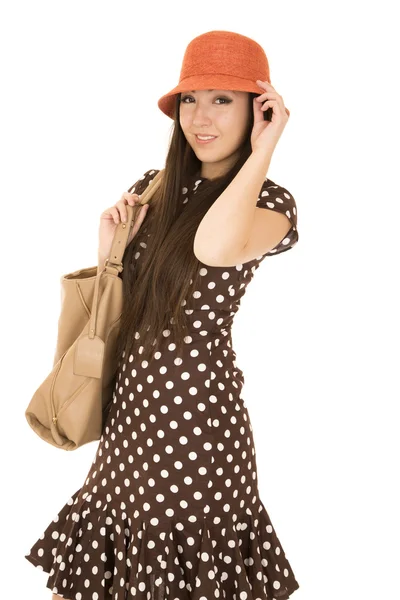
x,y
170,506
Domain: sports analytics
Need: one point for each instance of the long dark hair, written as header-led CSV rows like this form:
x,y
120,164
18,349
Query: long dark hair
x,y
155,287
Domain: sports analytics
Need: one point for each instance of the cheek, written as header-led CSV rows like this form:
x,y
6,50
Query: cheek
x,y
231,128
231,122
186,126
183,121
239,125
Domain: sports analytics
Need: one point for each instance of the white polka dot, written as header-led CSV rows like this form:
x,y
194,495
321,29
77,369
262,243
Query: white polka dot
x,y
174,474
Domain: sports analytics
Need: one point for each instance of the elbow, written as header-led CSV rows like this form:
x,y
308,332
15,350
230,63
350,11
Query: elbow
x,y
207,258
213,258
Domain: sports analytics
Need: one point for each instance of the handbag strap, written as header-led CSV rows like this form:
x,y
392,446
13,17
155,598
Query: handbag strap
x,y
118,246
122,230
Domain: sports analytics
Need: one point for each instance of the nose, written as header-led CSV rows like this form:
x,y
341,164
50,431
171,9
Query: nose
x,y
200,116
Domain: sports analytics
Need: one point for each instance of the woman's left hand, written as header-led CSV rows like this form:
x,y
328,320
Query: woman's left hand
x,y
265,134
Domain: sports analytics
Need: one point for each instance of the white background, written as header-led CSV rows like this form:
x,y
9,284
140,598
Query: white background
x,y
317,334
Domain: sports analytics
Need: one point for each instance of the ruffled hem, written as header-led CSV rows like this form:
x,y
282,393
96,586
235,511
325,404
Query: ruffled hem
x,y
101,552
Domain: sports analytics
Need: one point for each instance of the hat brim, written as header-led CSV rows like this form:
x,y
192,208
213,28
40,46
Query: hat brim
x,y
206,82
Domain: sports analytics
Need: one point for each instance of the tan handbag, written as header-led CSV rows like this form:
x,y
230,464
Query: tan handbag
x,y
68,409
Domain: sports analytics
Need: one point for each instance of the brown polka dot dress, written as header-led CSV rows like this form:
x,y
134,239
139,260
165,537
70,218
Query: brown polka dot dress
x,y
170,508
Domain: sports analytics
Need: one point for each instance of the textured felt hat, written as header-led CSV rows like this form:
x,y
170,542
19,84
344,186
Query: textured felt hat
x,y
221,60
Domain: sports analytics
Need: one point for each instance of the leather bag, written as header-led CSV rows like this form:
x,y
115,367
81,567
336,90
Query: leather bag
x,y
69,408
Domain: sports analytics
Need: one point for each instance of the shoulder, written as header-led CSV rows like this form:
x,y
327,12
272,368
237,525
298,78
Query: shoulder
x,y
278,198
270,189
140,185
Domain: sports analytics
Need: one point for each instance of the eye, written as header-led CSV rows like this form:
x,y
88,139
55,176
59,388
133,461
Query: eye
x,y
226,100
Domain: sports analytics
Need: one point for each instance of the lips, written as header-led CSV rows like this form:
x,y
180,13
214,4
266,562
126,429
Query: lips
x,y
207,141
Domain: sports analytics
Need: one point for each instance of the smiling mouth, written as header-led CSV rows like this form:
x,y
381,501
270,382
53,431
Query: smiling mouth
x,y
207,139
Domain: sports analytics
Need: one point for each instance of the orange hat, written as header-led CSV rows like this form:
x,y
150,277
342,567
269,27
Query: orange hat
x,y
221,60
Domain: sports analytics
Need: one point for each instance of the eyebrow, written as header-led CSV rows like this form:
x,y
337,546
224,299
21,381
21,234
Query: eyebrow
x,y
231,91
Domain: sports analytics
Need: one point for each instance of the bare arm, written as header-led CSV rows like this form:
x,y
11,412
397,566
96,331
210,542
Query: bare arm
x,y
227,226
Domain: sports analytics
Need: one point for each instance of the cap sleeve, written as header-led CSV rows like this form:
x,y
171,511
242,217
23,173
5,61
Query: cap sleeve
x,y
276,197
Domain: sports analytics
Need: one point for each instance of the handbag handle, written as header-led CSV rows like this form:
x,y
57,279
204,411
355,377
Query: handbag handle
x,y
118,246
122,231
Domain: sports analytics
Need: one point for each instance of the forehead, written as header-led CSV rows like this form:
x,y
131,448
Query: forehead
x,y
230,91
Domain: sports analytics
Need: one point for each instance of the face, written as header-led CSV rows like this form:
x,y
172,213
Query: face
x,y
220,113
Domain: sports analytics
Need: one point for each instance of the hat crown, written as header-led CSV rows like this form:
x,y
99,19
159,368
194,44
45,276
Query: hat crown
x,y
224,53
219,60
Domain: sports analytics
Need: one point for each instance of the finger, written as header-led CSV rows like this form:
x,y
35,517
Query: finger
x,y
258,113
260,83
274,104
267,104
128,198
265,84
135,197
121,205
267,95
115,214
